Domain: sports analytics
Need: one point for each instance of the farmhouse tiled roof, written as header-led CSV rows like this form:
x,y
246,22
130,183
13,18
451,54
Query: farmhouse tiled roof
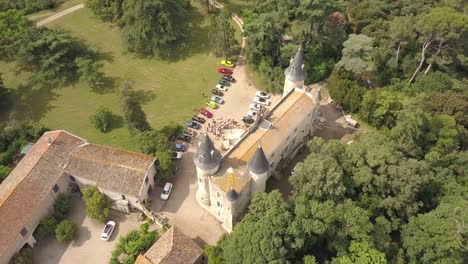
x,y
112,169
23,191
173,247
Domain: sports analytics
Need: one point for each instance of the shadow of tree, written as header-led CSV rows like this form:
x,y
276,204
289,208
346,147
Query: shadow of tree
x,y
144,96
106,85
117,122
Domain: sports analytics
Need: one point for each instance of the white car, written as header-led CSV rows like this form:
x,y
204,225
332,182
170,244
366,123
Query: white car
x,y
253,114
256,107
262,95
176,155
262,101
108,229
221,87
166,191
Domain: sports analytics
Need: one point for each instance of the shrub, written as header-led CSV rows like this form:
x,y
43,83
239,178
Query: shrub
x,y
47,226
97,204
4,172
25,256
65,231
62,207
133,243
102,119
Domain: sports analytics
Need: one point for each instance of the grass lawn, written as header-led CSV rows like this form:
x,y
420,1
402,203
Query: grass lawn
x,y
46,13
172,90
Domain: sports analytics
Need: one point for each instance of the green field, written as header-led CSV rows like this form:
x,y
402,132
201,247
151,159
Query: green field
x,y
172,90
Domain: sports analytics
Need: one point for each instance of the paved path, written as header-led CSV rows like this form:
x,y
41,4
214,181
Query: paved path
x,y
59,15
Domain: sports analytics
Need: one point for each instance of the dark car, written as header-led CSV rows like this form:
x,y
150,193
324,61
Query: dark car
x,y
248,120
192,124
224,82
198,119
228,78
217,92
187,132
185,138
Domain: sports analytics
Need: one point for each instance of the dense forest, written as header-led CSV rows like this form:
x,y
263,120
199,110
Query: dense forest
x,y
397,194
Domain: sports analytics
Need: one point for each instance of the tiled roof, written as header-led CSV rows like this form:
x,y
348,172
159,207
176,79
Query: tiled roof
x,y
173,247
33,178
112,169
284,118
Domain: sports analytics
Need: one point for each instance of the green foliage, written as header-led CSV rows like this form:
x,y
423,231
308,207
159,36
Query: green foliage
x,y
107,10
152,27
25,256
449,103
433,82
362,252
62,207
13,24
438,236
47,226
132,244
29,6
65,231
221,35
89,71
214,254
357,54
133,113
4,172
345,92
102,119
379,108
97,204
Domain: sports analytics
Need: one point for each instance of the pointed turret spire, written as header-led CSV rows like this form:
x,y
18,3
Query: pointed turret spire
x,y
296,71
258,163
207,156
231,195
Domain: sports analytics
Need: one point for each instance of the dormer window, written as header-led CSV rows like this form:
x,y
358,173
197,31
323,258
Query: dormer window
x,y
24,232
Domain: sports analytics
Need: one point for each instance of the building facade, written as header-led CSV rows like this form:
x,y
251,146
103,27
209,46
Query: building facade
x,y
227,184
55,163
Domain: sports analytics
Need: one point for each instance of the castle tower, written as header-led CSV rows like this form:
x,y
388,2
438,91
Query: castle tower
x,y
295,74
207,160
258,167
232,197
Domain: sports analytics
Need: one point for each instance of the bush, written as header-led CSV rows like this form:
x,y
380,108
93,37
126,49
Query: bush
x,y
62,207
4,172
25,256
102,119
133,243
47,226
97,204
65,231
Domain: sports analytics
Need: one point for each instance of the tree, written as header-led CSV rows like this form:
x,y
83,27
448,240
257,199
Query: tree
x,y
24,256
320,178
132,244
152,27
4,172
133,113
438,236
401,33
345,92
65,231
362,252
89,71
61,207
102,119
439,32
357,54
107,10
13,24
379,108
97,204
222,39
261,237
449,103
47,226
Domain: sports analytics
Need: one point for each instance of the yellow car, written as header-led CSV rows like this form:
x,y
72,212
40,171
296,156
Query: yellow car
x,y
212,104
228,63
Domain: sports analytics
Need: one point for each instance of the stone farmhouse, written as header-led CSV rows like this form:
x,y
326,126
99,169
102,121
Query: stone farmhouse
x,y
227,184
58,162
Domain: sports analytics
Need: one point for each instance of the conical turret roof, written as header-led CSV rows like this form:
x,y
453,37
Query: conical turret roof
x,y
207,156
296,71
258,163
232,195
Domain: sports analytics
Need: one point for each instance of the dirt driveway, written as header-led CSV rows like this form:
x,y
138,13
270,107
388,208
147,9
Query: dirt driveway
x,y
87,248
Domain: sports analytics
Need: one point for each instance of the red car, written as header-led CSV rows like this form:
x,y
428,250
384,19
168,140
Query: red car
x,y
224,71
205,112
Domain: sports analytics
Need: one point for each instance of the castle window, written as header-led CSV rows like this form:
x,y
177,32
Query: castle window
x,y
218,204
218,194
123,197
55,188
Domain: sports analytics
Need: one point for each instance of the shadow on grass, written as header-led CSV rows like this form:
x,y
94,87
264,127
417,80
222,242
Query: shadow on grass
x,y
117,122
144,96
105,86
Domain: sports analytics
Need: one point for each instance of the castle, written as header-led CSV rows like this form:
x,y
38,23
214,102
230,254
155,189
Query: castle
x,y
227,184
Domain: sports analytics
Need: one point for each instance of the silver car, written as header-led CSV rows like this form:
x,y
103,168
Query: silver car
x,y
108,229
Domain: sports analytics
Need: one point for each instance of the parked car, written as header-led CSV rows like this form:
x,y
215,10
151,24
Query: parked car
x,y
262,101
176,155
262,95
221,87
217,99
253,114
224,82
187,132
192,124
211,104
205,112
185,138
180,147
217,92
107,231
224,71
248,120
228,63
198,119
228,78
256,107
166,191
